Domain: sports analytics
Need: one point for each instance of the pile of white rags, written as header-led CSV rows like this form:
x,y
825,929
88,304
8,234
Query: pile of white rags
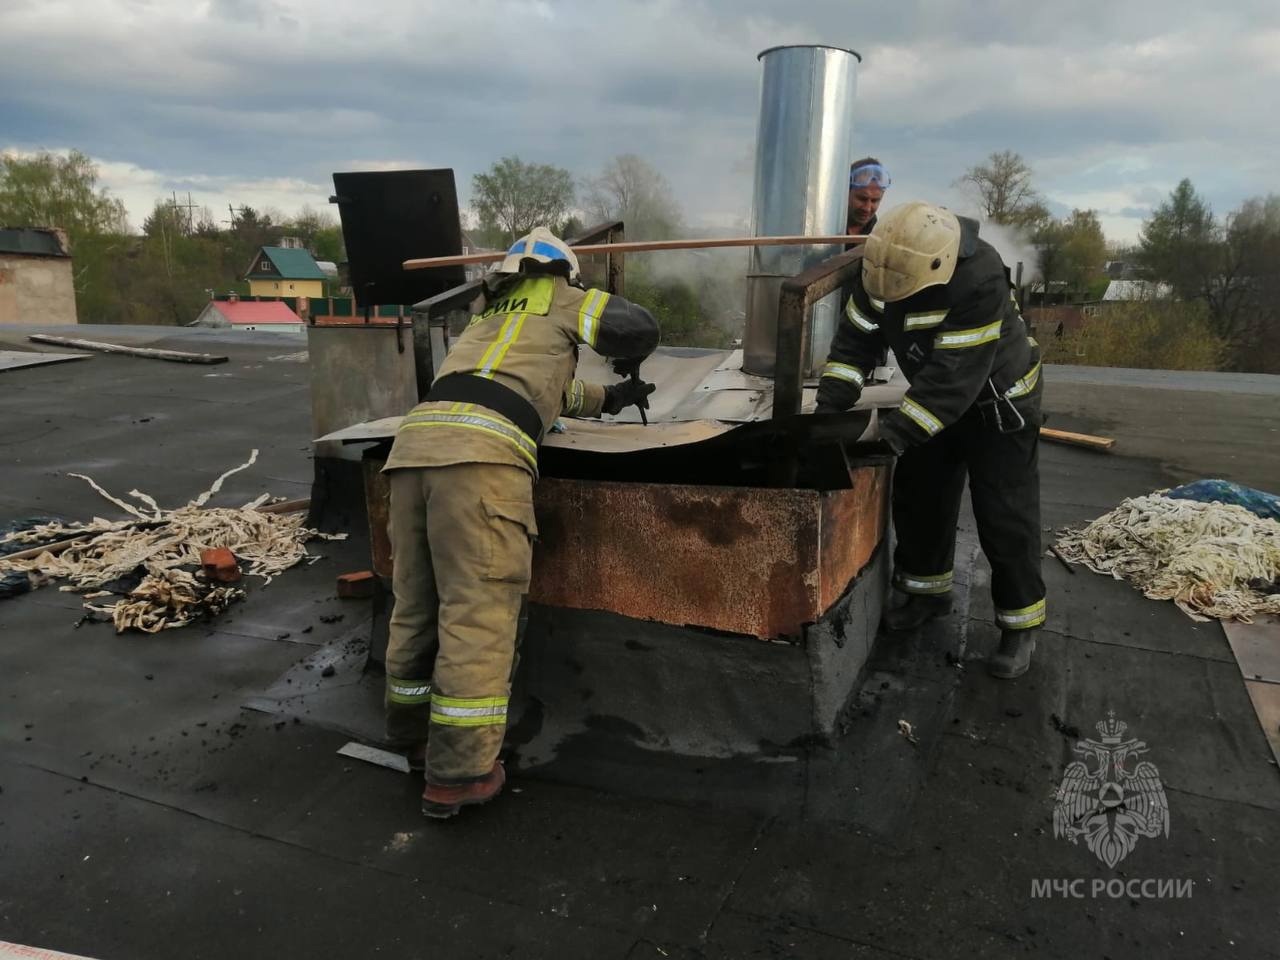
x,y
1214,560
166,544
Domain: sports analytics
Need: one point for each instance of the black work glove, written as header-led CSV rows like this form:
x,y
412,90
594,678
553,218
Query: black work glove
x,y
836,396
891,437
880,448
619,396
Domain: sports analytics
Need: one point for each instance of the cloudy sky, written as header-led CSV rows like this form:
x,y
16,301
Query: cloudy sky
x,y
259,101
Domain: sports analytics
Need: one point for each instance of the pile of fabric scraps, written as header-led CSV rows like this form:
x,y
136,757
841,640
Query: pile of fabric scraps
x,y
1214,560
153,559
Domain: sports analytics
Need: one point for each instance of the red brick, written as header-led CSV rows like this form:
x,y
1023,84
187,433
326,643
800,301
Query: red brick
x,y
357,586
219,564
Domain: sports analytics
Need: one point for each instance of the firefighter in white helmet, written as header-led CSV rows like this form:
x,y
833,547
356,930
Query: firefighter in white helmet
x,y
462,469
941,298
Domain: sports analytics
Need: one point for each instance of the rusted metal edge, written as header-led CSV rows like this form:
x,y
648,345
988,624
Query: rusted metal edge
x,y
797,297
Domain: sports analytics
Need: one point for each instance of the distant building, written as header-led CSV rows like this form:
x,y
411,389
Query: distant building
x,y
284,272
1125,290
1058,292
269,315
1121,269
36,282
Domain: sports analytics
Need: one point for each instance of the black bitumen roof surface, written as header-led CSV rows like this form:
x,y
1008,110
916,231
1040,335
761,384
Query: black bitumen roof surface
x,y
145,814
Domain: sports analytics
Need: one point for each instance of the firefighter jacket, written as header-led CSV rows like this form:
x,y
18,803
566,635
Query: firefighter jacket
x,y
959,344
526,340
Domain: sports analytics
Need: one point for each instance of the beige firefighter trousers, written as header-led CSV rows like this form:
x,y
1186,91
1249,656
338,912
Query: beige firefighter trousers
x,y
461,538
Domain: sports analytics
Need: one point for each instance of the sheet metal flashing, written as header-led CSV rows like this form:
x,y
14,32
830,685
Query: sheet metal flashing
x,y
13,359
701,394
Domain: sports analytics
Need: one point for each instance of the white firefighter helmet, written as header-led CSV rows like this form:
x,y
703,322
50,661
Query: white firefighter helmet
x,y
540,245
913,246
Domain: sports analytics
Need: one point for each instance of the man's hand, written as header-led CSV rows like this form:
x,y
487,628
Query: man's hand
x,y
825,408
619,396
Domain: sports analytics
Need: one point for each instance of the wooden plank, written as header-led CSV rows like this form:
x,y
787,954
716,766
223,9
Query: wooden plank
x,y
177,356
1256,647
1078,439
641,246
1266,704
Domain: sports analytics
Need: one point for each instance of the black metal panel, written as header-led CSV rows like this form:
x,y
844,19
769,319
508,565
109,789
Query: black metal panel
x,y
393,216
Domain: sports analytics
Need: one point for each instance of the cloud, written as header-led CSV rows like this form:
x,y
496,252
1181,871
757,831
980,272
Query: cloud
x,y
1115,101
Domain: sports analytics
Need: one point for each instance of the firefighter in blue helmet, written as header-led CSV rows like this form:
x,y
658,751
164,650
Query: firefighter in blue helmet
x,y
462,470
940,296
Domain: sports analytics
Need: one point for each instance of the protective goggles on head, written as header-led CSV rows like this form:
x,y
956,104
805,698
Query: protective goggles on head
x,y
868,174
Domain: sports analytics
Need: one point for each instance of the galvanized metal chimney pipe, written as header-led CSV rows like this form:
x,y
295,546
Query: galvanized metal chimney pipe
x,y
803,145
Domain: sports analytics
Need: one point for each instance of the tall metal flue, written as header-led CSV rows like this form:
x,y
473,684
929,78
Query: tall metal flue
x,y
803,146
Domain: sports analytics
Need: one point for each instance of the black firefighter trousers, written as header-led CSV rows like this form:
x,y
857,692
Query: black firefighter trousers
x,y
1004,486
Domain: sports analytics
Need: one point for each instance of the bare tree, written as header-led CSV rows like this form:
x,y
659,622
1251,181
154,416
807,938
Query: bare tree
x,y
631,190
1002,187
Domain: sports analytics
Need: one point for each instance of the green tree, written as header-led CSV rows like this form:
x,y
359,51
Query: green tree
x,y
1002,186
631,190
1086,247
513,197
250,230
329,244
166,274
1232,267
676,301
1071,250
319,233
1148,334
570,228
1177,244
1243,293
1050,239
55,190
166,219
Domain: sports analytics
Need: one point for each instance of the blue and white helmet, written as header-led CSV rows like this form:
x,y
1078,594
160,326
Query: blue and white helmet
x,y
541,246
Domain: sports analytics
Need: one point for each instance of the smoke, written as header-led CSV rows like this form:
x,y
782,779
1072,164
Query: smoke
x,y
1014,245
716,276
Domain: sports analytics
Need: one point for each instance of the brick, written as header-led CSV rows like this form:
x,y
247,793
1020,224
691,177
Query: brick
x,y
356,586
220,564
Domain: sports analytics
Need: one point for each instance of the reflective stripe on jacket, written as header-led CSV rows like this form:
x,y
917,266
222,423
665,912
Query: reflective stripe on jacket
x,y
527,339
948,340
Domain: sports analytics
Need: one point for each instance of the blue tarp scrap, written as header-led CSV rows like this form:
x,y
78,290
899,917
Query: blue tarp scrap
x,y
1258,502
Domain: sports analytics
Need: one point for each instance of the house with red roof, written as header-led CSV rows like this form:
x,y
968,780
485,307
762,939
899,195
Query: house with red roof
x,y
269,315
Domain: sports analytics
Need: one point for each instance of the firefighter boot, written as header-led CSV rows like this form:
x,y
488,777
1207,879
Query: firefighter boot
x,y
417,757
1014,656
442,800
918,610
